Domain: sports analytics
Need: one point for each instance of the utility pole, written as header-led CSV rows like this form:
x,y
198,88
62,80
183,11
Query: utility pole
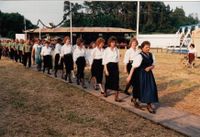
x,y
71,35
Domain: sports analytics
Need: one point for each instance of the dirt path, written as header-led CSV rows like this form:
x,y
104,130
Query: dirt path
x,y
32,104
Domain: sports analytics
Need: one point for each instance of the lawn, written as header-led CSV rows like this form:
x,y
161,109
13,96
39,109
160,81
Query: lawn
x,y
32,104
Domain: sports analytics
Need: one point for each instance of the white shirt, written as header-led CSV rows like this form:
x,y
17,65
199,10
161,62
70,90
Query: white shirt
x,y
57,49
138,60
46,51
66,49
110,55
192,50
79,52
130,55
97,53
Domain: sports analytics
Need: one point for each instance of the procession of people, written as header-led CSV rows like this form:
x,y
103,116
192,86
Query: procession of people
x,y
60,55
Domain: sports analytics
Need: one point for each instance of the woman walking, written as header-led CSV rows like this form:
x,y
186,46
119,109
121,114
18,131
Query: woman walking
x,y
47,58
79,56
111,68
66,54
57,55
143,79
129,57
97,67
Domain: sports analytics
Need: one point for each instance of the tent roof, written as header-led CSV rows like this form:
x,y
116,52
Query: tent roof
x,y
79,29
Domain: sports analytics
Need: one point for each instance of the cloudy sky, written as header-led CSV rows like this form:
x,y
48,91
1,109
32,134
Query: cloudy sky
x,y
52,11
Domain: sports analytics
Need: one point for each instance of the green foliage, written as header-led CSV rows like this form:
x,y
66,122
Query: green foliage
x,y
154,16
12,23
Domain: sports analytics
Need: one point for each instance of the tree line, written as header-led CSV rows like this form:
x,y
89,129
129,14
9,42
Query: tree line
x,y
12,23
155,17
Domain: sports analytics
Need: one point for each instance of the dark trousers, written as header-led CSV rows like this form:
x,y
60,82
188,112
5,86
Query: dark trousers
x,y
16,56
27,58
47,63
57,57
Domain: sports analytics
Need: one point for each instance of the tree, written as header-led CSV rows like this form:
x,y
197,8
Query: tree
x,y
12,23
155,17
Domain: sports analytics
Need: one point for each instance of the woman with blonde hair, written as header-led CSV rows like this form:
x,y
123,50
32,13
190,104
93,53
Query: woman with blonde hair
x,y
129,57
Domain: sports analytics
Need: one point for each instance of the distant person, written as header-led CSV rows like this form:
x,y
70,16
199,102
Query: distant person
x,y
27,48
37,55
145,88
191,54
79,57
20,46
57,57
129,57
66,55
34,49
47,58
111,68
97,66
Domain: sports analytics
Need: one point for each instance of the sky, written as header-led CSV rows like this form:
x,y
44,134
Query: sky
x,y
52,11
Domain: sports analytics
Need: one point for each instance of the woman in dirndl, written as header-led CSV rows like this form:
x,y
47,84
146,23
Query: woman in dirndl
x,y
38,58
97,67
111,68
145,88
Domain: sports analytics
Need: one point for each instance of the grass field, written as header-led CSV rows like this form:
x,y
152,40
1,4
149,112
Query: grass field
x,y
34,105
178,85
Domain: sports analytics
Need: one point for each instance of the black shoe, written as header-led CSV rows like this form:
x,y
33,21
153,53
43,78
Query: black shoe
x,y
151,110
55,75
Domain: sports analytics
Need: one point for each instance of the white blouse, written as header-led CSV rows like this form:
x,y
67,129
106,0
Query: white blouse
x,y
46,51
97,53
79,52
192,50
110,55
130,55
138,60
66,49
58,48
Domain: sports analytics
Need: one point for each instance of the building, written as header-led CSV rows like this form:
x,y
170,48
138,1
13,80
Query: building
x,y
89,34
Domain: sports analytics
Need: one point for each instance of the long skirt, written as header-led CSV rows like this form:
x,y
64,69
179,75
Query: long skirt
x,y
146,86
128,67
97,70
68,61
112,80
191,57
48,61
56,61
81,63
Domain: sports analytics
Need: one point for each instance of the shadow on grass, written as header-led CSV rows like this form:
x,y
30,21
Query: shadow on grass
x,y
177,96
163,86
